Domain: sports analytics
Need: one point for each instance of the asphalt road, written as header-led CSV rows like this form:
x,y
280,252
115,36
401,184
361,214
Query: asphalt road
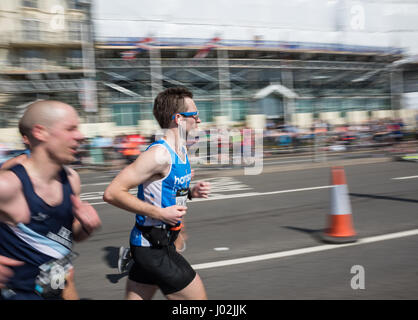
x,y
277,212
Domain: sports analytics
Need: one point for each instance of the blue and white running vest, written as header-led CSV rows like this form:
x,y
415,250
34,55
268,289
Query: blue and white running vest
x,y
166,192
46,237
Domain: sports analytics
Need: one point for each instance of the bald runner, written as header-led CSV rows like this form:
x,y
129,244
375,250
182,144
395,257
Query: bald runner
x,y
40,209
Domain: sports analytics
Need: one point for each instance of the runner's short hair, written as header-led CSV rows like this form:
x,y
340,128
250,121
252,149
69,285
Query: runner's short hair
x,y
24,129
169,102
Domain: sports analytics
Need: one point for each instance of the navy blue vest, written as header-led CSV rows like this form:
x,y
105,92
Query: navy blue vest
x,y
46,237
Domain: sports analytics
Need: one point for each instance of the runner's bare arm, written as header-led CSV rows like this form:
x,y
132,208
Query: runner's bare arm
x,y
13,207
86,218
10,191
13,161
151,165
5,271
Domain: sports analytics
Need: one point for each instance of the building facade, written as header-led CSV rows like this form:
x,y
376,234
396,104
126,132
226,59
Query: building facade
x,y
246,62
235,84
250,61
42,43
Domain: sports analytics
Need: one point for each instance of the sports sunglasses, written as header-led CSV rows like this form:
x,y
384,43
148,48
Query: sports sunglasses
x,y
194,114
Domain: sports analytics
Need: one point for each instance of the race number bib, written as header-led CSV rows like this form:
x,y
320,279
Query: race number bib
x,y
181,197
52,274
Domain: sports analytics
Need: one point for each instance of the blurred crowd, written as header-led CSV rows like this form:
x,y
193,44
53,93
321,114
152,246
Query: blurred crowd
x,y
277,138
372,133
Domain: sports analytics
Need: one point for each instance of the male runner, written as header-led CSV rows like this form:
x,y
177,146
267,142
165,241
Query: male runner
x,y
69,292
40,209
162,174
125,258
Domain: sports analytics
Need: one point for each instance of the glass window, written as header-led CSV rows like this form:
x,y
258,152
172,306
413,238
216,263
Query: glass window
x,y
329,105
73,4
205,110
74,30
30,3
353,104
239,110
305,105
125,114
30,30
146,111
31,59
74,58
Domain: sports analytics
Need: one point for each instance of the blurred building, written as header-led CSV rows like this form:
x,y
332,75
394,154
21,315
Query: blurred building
x,y
236,82
41,54
248,62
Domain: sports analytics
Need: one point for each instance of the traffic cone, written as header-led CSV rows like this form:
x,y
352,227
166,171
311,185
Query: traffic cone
x,y
340,221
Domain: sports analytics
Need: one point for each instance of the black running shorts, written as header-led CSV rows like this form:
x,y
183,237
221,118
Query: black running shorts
x,y
163,267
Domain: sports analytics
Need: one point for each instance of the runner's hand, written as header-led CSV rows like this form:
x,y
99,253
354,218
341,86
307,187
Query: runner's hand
x,y
172,215
201,190
85,214
5,272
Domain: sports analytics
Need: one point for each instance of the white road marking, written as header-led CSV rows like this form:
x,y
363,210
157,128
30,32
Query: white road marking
x,y
96,184
221,249
217,184
404,178
231,196
288,161
277,255
255,194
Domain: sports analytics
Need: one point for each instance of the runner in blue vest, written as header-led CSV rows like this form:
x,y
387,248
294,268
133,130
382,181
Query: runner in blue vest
x,y
162,174
40,209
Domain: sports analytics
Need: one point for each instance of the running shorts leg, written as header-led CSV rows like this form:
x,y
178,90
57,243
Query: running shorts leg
x,y
163,267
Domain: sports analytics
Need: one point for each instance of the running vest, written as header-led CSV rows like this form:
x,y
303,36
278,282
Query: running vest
x,y
166,192
46,237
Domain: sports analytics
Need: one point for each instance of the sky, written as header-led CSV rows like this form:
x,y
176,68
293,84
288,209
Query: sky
x,y
380,23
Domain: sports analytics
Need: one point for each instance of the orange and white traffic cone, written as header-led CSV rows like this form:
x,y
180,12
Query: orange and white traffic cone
x,y
340,221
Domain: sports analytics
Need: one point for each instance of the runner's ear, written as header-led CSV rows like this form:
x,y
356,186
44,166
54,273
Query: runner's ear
x,y
39,132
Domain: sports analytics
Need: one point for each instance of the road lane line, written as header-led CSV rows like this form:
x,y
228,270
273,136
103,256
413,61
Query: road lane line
x,y
289,253
243,195
96,184
404,178
255,194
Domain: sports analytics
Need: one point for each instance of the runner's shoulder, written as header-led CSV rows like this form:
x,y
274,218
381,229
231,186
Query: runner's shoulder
x,y
158,153
74,179
71,173
10,185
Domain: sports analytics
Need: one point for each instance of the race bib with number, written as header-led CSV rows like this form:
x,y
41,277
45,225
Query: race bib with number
x,y
52,274
181,197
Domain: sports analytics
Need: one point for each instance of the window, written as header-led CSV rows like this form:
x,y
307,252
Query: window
x,y
75,4
31,59
30,30
71,4
239,110
125,114
74,29
205,110
30,3
305,105
75,58
330,105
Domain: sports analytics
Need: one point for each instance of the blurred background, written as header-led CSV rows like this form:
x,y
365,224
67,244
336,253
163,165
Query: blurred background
x,y
317,76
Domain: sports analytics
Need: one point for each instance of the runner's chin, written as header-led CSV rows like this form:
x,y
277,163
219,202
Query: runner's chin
x,y
66,158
